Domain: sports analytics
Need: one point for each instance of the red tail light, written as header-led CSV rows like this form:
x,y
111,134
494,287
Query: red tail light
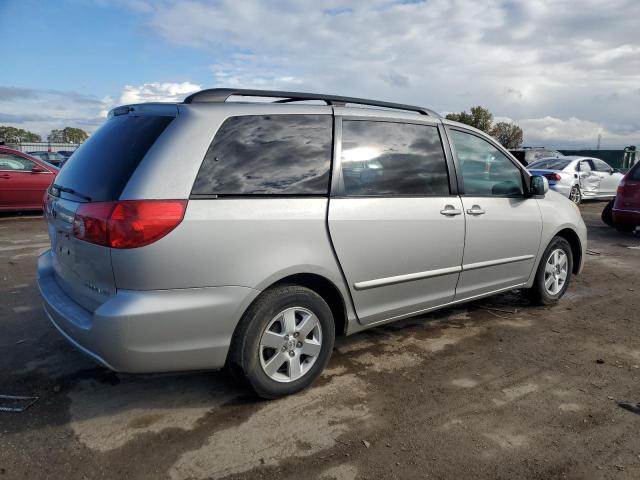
x,y
92,221
553,176
620,190
129,223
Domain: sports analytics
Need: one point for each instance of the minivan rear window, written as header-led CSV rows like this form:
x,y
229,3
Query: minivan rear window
x,y
101,167
268,155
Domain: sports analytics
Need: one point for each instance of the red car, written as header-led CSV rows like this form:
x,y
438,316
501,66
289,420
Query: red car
x,y
23,180
623,212
626,208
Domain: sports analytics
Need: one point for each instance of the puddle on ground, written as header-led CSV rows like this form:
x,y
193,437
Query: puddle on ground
x,y
396,352
296,426
61,363
105,416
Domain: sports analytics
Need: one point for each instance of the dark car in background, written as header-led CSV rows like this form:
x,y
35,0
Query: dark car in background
x,y
623,212
54,158
66,153
23,180
527,155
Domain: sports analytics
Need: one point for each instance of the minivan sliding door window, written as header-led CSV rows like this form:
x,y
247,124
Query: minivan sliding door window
x,y
392,159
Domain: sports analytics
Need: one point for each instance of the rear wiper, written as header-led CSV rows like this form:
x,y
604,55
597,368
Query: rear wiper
x,y
72,192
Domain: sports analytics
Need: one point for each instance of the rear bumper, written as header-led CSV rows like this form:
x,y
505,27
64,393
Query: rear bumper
x,y
149,331
630,217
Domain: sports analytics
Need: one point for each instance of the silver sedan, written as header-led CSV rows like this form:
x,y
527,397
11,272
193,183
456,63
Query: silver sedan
x,y
578,178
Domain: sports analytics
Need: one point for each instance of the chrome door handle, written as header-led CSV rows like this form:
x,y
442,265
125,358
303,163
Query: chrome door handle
x,y
476,210
450,211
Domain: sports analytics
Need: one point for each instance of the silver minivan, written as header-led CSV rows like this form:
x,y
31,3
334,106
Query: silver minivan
x,y
215,232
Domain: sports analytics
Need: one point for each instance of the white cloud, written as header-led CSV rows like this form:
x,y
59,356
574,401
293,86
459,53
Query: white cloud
x,y
573,133
520,59
566,71
157,92
41,110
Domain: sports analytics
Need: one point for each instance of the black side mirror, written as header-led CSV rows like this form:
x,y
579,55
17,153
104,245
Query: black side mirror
x,y
37,170
539,186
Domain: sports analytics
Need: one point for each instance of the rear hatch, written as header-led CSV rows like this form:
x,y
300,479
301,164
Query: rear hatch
x,y
97,172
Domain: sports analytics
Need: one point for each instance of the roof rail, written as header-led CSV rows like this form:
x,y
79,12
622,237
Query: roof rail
x,y
220,95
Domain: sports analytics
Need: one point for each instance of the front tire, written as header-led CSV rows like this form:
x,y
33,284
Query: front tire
x,y
575,195
554,273
283,341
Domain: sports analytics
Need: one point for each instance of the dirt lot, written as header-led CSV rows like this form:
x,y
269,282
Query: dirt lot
x,y
464,393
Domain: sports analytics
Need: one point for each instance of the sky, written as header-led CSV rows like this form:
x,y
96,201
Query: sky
x,y
566,71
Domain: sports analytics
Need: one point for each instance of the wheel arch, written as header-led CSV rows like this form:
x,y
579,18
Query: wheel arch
x,y
572,237
320,284
326,289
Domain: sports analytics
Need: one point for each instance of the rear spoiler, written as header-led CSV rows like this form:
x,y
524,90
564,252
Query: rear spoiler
x,y
138,109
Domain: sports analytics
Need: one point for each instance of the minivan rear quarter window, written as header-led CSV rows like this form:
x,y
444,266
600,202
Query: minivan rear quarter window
x,y
268,155
102,166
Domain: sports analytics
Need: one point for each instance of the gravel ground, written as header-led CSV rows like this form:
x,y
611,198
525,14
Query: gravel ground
x,y
493,389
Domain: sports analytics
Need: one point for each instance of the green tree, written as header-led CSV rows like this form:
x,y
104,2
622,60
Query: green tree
x,y
509,135
67,135
55,136
479,117
10,134
74,135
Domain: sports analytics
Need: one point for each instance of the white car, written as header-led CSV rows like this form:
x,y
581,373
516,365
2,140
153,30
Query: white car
x,y
578,178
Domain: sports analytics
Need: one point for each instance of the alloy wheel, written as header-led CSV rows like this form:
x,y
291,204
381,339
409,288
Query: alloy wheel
x,y
575,196
556,271
290,344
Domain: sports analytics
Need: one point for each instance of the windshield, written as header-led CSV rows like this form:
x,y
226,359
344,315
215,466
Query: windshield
x,y
102,166
550,164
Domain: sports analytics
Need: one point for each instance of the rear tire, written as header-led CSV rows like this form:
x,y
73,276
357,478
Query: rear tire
x,y
575,195
607,214
554,273
283,341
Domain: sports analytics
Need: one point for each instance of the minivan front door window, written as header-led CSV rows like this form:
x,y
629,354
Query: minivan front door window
x,y
486,171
